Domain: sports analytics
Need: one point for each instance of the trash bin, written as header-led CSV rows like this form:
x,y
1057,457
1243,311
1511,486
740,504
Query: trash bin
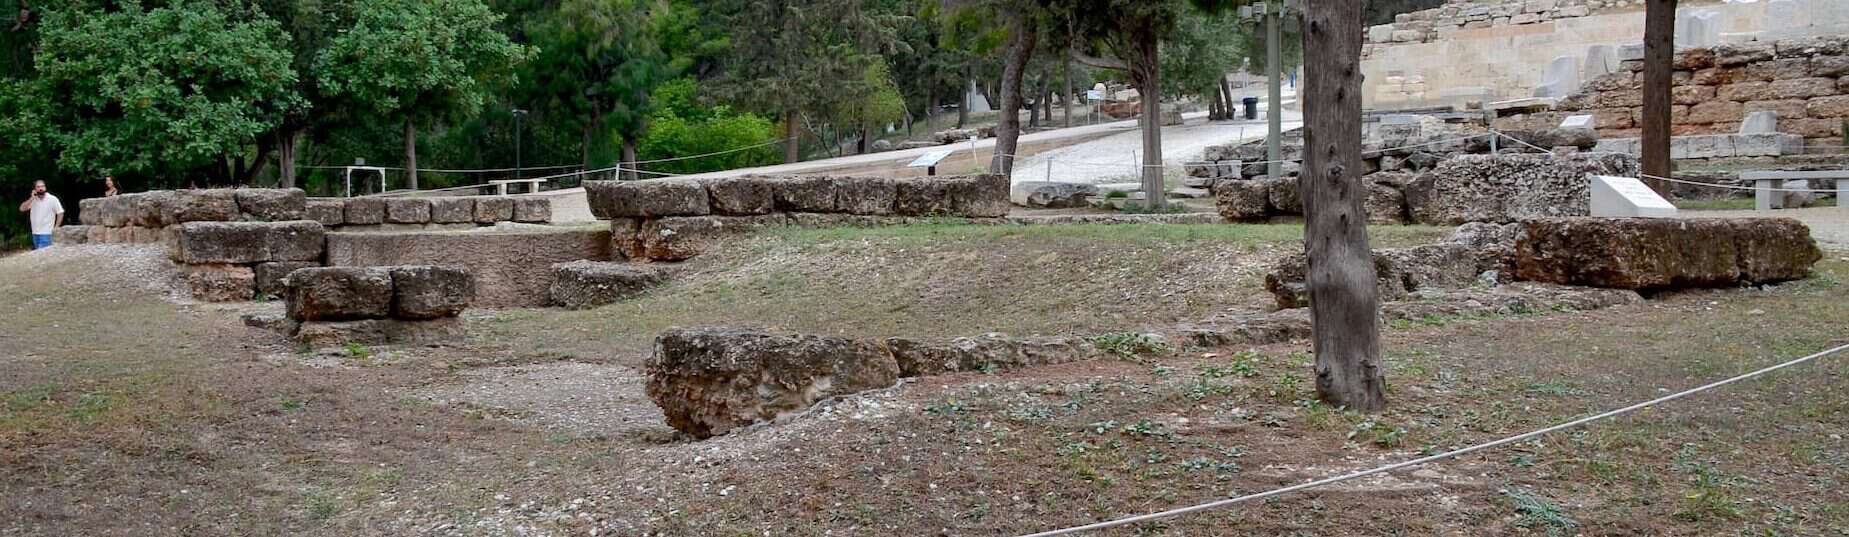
x,y
1251,104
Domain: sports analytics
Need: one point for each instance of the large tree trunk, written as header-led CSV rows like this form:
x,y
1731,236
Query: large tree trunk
x,y
930,111
410,154
792,136
1065,70
1021,38
1150,78
1344,299
1215,105
1230,104
1659,49
631,169
860,146
963,109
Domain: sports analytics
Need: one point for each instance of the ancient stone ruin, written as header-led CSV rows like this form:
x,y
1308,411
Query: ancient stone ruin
x,y
376,305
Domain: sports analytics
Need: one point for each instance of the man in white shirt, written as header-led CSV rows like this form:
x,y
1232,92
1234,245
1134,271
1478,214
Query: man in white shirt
x,y
45,212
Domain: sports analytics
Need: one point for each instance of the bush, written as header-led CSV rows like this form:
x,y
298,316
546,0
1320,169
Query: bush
x,y
683,126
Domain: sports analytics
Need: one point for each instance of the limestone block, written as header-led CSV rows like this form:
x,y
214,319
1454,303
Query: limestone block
x,y
1242,200
456,210
1834,106
339,293
1715,111
491,209
327,334
647,199
1733,54
1692,59
978,196
709,381
1767,145
532,210
1631,52
71,235
329,212
430,292
180,206
742,196
881,196
199,243
219,283
1803,88
1814,128
301,240
407,210
1762,122
1829,66
1718,76
272,204
1619,99
589,284
1786,109
1745,91
1637,253
365,211
1380,33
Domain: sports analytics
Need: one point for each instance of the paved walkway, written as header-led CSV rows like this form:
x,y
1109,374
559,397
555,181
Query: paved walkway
x,y
1118,158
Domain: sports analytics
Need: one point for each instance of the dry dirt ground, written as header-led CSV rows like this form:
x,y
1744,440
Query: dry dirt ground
x,y
126,412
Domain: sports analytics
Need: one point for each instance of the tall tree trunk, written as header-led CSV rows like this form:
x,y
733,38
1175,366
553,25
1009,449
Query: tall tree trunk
x,y
930,110
860,146
963,109
1215,109
1344,299
1150,79
1231,104
1065,69
410,154
1021,38
288,140
631,169
792,136
1659,49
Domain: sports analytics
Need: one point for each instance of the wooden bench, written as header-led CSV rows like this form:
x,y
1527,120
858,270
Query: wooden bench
x,y
500,185
1765,184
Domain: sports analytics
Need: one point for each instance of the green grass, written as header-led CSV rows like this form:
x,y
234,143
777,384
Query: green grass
x,y
1714,204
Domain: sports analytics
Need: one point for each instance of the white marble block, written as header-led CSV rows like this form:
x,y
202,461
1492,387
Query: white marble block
x,y
1626,197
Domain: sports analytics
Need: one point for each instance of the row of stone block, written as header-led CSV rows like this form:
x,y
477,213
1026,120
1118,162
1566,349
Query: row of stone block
x,y
84,234
976,196
362,293
1714,146
246,243
162,208
486,210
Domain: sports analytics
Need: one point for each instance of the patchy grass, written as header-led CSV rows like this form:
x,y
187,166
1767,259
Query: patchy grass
x,y
1714,204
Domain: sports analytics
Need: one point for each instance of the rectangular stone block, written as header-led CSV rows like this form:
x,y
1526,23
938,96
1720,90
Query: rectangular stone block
x,y
270,276
532,210
979,196
453,210
430,292
489,210
1715,111
922,196
219,283
1803,88
329,212
329,334
302,240
1786,109
647,199
1659,254
1746,91
871,196
365,211
272,204
741,196
339,293
407,211
70,235
233,243
511,268
1835,106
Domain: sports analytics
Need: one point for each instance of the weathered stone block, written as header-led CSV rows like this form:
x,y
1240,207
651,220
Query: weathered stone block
x,y
90,210
1052,195
331,334
742,196
180,206
1619,99
804,194
1829,66
270,276
1732,54
1655,254
988,352
1835,106
1242,200
219,283
199,243
684,237
70,235
1786,109
978,196
709,381
272,204
491,209
329,212
407,210
877,196
365,211
1692,95
647,199
1715,111
1503,188
339,293
1695,58
294,241
1385,204
1283,197
532,210
457,210
1746,91
430,292
589,284
1718,76
1803,88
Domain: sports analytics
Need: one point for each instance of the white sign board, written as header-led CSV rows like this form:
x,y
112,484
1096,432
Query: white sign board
x,y
1625,197
1094,95
1583,121
931,159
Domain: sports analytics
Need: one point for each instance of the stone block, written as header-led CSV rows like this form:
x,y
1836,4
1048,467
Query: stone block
x,y
301,240
407,210
1053,195
1746,91
881,196
70,235
1619,99
1242,200
1715,111
626,239
709,381
430,292
685,237
272,204
334,334
1803,88
1631,52
1718,76
1763,122
741,196
589,284
233,243
1785,109
329,212
1835,106
1691,95
90,211
491,209
1829,66
978,196
533,210
1767,145
512,268
1510,187
1733,54
1693,59
270,276
1385,204
181,206
647,199
988,352
219,282
1282,196
1792,68
804,194
1659,254
457,210
365,211
1814,128
339,293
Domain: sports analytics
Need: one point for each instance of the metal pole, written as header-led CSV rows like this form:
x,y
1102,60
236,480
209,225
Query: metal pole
x,y
1274,144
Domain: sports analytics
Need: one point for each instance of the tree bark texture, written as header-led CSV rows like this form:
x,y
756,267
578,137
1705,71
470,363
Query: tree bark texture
x,y
963,106
1344,299
410,154
1147,71
1021,40
1659,52
1065,70
631,170
286,158
792,136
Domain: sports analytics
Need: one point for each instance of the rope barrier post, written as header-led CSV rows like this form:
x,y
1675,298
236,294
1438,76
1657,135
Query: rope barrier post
x,y
1495,147
1049,168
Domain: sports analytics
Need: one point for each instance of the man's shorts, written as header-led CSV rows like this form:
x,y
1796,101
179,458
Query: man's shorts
x,y
40,242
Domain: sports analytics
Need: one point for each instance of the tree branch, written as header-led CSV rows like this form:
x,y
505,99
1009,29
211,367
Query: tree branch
x,y
1101,63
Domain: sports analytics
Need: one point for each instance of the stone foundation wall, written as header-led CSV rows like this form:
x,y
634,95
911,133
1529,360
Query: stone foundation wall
x,y
232,245
427,213
376,305
1804,81
511,268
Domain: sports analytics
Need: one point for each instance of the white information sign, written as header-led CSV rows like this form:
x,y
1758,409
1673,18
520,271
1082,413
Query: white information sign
x,y
1626,197
931,159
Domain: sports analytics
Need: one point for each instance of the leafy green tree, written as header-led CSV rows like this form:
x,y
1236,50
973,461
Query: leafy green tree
x,y
419,61
165,90
881,103
598,63
683,126
797,57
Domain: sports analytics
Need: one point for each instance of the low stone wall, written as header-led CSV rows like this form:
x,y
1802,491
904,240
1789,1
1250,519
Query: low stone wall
x,y
1654,254
511,268
238,261
427,213
1432,24
1475,253
1805,82
589,284
376,305
1463,188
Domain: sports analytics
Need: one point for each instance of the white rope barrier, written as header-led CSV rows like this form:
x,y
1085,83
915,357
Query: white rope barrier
x,y
1434,458
1734,187
715,153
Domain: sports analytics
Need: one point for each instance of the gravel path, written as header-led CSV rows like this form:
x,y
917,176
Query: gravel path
x,y
577,399
1117,158
1829,225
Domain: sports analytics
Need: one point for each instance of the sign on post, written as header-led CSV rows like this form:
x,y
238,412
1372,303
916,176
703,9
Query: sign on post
x,y
929,161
